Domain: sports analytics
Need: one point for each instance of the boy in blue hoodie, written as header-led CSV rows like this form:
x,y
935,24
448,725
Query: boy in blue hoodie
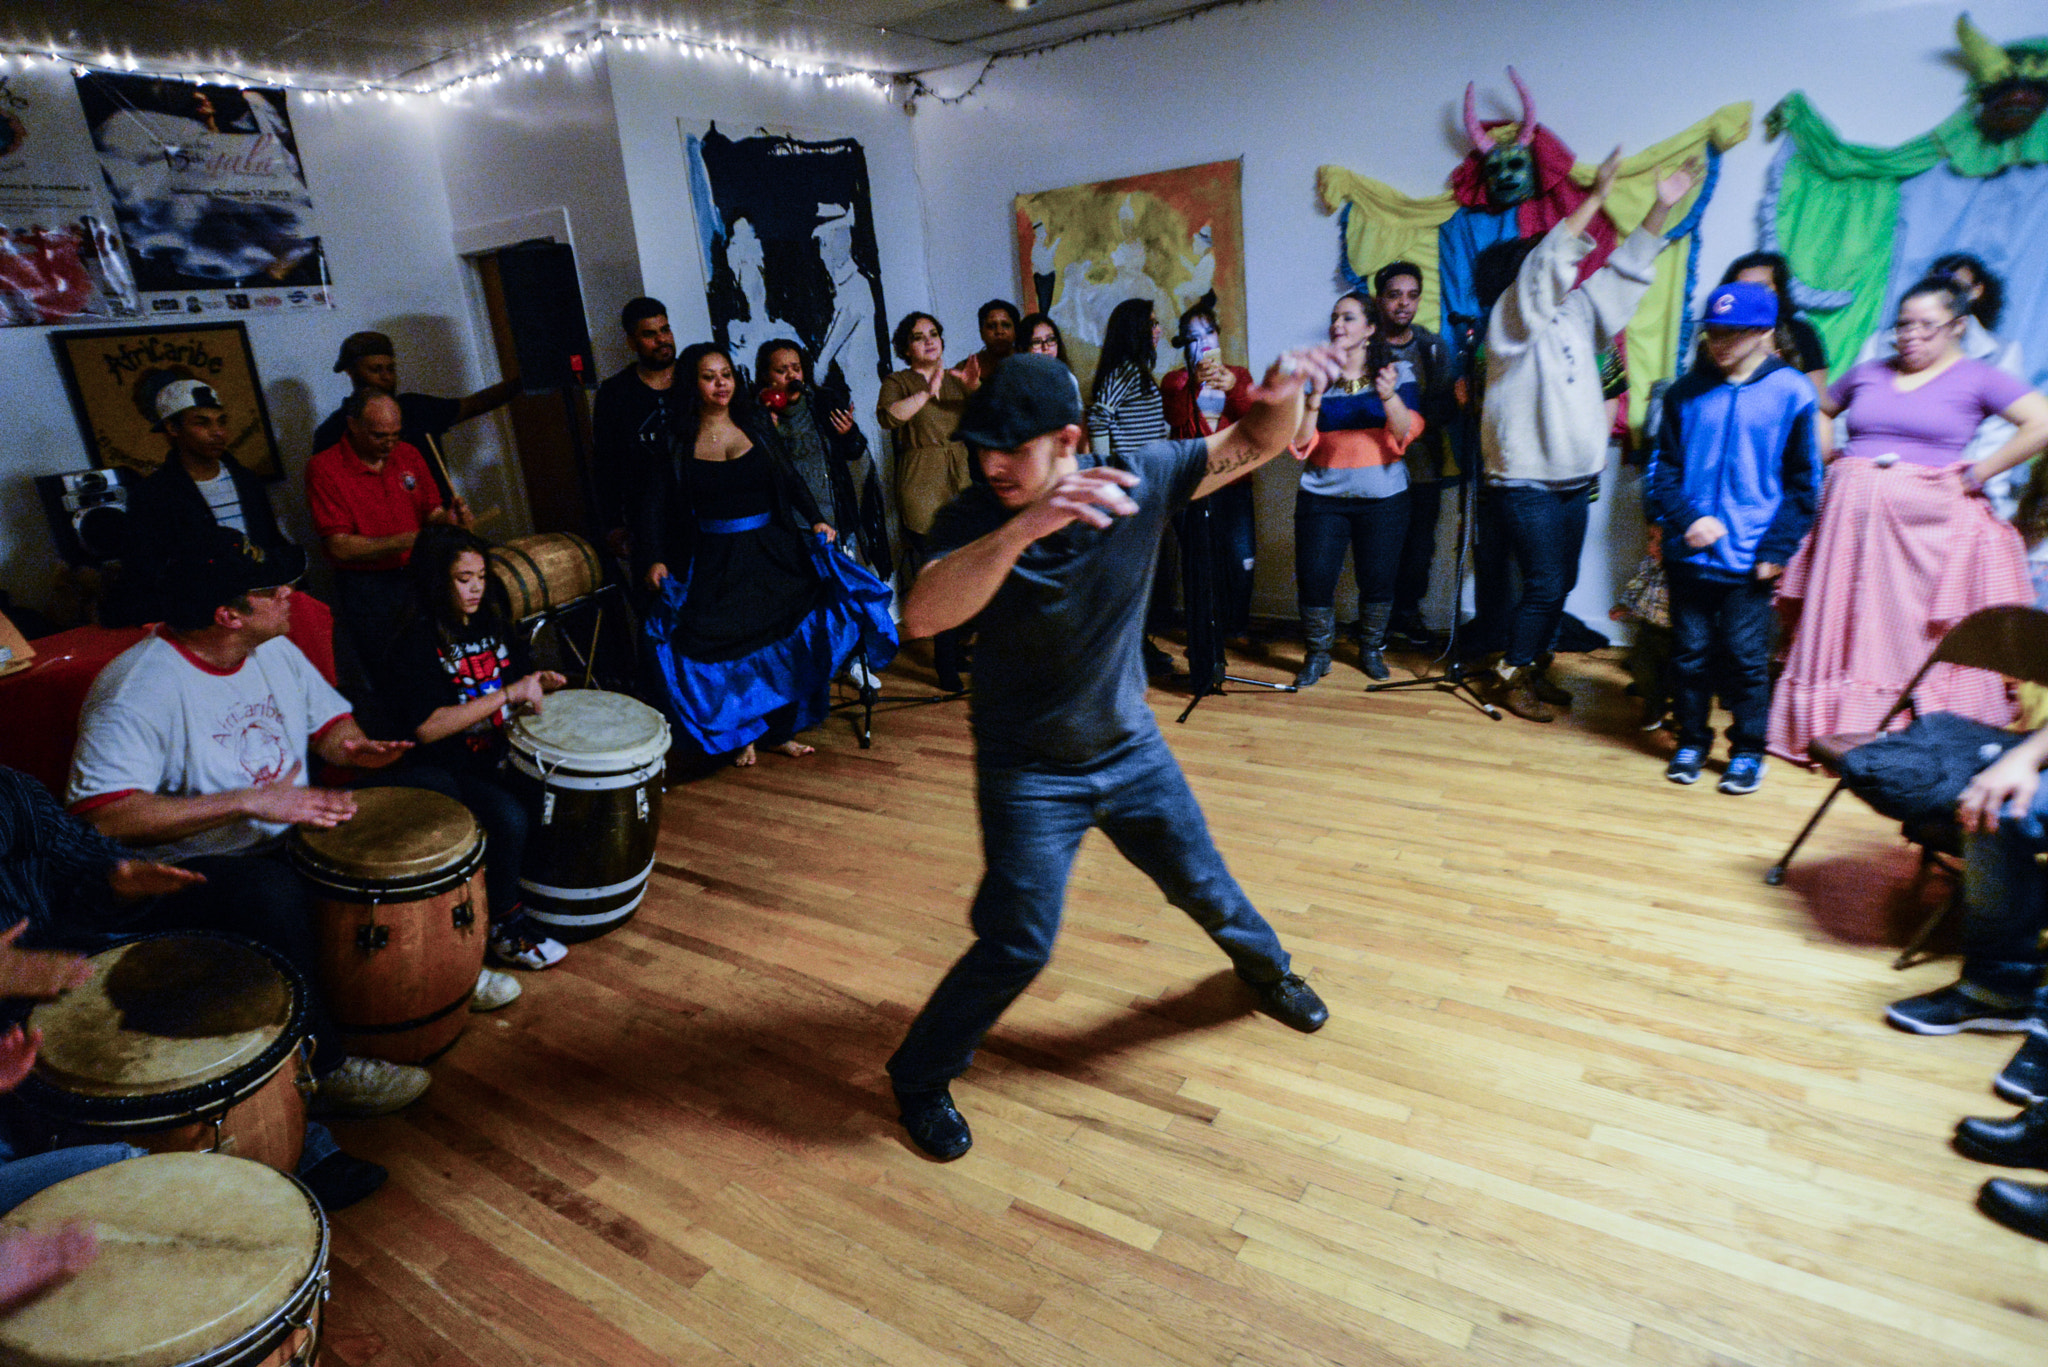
x,y
1735,481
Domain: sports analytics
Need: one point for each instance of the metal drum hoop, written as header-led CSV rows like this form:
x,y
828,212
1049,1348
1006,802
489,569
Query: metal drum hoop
x,y
349,887
207,1102
296,1312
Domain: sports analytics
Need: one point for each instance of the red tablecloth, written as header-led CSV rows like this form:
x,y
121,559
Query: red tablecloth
x,y
39,705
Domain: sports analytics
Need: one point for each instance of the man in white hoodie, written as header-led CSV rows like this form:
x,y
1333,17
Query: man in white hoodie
x,y
1544,425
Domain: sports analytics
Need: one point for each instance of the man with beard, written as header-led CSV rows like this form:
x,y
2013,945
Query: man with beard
x,y
1399,287
635,411
371,362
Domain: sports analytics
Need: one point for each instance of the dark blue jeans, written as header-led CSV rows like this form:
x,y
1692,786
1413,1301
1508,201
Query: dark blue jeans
x,y
1720,642
1032,821
1418,552
1539,533
1324,526
2005,900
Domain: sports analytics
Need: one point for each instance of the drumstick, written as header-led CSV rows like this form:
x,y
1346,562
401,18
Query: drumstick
x,y
590,660
441,466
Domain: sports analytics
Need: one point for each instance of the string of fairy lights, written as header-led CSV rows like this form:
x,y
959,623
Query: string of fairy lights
x,y
576,46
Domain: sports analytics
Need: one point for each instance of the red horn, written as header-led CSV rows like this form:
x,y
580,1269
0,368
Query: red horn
x,y
1475,130
1528,134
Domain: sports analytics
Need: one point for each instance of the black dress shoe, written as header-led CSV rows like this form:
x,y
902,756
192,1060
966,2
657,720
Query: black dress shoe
x,y
2019,1206
935,1124
1292,1002
340,1180
2025,1080
2021,1142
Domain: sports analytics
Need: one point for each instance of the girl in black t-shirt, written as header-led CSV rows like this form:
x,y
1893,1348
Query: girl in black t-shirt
x,y
453,677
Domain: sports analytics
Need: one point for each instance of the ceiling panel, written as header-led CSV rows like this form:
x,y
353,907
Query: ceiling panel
x,y
405,40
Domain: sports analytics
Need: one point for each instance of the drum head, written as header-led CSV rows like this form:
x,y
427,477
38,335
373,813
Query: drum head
x,y
161,1015
589,729
396,834
196,1249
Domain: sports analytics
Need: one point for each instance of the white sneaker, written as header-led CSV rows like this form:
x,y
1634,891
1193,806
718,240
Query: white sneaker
x,y
363,1087
862,676
517,944
493,990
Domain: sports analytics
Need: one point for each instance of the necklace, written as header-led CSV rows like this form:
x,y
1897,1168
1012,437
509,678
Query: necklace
x,y
1359,385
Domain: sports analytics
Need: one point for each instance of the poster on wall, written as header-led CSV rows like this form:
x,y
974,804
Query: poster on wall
x,y
787,235
1167,236
103,366
60,261
209,194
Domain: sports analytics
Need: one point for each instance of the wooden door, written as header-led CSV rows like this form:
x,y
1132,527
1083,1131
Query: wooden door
x,y
556,479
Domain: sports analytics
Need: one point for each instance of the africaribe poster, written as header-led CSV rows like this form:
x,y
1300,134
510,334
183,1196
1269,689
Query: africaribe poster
x,y
788,239
1167,236
209,192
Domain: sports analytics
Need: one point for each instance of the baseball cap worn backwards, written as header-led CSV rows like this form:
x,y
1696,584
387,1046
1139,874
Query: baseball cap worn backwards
x,y
357,345
218,570
1028,396
1741,304
181,396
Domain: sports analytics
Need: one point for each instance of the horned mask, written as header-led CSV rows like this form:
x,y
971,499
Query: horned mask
x,y
2010,84
1509,166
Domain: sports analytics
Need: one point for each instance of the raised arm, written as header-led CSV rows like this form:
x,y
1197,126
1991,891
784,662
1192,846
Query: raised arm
x,y
1603,185
1277,416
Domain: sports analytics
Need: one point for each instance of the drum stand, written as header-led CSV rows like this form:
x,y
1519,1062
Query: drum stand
x,y
581,657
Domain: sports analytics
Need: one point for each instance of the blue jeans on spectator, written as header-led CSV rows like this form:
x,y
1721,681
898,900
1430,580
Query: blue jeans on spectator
x,y
21,1178
1324,526
1539,532
1418,552
1032,821
1720,641
2005,901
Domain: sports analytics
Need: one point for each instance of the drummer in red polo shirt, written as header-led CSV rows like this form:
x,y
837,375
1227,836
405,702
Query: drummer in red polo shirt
x,y
370,493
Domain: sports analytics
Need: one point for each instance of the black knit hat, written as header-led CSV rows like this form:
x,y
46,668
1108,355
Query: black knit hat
x,y
1028,396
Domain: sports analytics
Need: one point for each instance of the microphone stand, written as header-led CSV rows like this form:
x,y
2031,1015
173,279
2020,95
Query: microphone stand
x,y
1454,679
1207,675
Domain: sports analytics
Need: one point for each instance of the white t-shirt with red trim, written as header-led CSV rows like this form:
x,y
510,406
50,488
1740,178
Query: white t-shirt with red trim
x,y
160,720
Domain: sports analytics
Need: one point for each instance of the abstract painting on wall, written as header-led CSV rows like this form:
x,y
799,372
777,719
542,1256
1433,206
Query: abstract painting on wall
x,y
788,240
1168,236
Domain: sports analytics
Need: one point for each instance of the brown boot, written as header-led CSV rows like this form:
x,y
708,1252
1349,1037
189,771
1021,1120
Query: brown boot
x,y
1518,695
1547,688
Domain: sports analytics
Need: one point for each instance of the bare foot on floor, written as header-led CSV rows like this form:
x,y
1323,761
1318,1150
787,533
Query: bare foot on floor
x,y
795,749
744,759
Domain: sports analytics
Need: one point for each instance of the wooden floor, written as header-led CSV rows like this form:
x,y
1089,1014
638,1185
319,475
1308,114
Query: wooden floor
x,y
1591,1093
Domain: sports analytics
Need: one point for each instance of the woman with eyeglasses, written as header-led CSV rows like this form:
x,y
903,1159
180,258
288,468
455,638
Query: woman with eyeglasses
x,y
921,405
1906,545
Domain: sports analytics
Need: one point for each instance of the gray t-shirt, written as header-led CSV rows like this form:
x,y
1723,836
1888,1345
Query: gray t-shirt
x,y
1058,679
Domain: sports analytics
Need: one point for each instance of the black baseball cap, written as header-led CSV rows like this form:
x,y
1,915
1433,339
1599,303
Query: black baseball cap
x,y
218,571
1028,396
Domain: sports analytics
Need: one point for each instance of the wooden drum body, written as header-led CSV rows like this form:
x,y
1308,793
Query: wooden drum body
x,y
589,767
541,573
180,1042
401,919
204,1261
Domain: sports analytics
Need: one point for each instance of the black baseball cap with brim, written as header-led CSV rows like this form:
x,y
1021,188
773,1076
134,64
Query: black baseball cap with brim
x,y
1028,396
214,573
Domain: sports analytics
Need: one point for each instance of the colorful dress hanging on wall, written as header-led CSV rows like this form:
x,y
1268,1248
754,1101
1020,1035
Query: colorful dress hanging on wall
x,y
1862,223
1497,195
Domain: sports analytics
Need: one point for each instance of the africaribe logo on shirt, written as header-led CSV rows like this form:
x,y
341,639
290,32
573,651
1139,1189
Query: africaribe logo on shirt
x,y
254,734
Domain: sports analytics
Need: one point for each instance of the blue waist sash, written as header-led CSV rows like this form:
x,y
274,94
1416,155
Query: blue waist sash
x,y
731,526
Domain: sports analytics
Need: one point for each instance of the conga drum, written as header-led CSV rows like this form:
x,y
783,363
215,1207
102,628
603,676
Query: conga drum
x,y
589,766
401,919
180,1042
541,573
204,1261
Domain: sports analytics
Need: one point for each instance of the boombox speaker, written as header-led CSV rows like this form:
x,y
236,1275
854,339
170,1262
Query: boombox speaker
x,y
88,513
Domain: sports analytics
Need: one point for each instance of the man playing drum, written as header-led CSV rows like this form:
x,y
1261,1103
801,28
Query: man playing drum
x,y
193,744
1043,558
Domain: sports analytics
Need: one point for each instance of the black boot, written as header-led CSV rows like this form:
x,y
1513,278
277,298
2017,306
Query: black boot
x,y
2021,1142
1372,639
2019,1206
1319,629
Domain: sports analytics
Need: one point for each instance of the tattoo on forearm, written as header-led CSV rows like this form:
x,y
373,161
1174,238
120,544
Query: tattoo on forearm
x,y
1235,456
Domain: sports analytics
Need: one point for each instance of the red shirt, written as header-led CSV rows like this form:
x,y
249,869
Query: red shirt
x,y
347,498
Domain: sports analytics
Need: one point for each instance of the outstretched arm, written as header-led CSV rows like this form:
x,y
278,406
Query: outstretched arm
x,y
1275,418
1603,185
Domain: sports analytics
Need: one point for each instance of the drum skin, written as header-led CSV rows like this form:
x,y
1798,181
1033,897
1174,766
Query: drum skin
x,y
589,770
541,573
401,920
180,1043
203,1260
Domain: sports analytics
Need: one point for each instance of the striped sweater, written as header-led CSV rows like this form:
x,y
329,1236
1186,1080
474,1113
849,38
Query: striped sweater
x,y
1127,413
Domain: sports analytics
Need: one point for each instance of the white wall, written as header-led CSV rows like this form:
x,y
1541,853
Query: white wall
x,y
653,89
1375,85
376,184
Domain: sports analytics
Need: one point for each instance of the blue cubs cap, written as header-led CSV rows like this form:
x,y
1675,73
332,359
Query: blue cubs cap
x,y
1741,304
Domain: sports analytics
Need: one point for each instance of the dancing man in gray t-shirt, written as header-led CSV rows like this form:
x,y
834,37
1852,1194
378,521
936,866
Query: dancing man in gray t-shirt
x,y
1052,560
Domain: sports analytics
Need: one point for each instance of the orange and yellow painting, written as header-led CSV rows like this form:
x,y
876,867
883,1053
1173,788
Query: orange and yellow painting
x,y
1167,236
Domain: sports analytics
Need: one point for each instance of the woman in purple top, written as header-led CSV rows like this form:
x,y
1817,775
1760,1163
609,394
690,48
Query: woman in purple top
x,y
1906,545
